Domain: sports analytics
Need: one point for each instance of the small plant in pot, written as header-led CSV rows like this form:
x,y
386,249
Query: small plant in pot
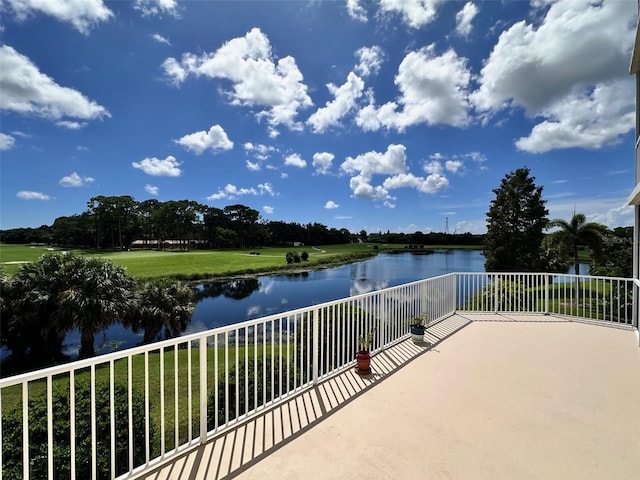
x,y
363,358
418,326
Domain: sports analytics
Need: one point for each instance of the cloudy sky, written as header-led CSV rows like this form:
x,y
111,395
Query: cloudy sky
x,y
397,115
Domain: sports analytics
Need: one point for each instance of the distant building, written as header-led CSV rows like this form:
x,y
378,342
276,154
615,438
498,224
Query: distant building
x,y
162,244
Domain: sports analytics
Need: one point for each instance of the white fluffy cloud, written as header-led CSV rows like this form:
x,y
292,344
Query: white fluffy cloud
x,y
75,180
572,61
369,60
157,7
322,162
356,11
81,14
391,164
151,189
28,195
366,165
331,205
346,96
214,140
259,79
169,167
268,210
433,90
6,141
231,191
586,119
295,160
25,90
464,18
430,184
415,13
454,166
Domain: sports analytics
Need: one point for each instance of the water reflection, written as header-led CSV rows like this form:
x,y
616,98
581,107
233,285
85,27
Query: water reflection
x,y
270,294
234,289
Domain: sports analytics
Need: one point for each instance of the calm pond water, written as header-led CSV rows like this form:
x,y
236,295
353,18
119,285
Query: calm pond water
x,y
225,303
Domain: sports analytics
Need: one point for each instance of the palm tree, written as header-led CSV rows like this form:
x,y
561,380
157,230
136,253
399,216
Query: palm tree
x,y
98,294
162,305
30,321
578,232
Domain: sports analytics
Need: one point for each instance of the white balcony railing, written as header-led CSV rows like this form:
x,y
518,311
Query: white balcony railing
x,y
120,414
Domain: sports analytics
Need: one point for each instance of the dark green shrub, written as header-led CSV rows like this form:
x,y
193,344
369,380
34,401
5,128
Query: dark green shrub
x,y
247,401
296,257
289,257
304,255
12,433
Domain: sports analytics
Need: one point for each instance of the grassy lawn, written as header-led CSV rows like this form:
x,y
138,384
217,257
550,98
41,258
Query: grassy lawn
x,y
197,264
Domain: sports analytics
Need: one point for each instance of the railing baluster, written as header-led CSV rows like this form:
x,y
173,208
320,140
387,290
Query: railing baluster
x,y
314,348
72,421
130,407
50,426
203,386
237,368
94,440
176,430
189,394
162,411
147,419
25,430
112,418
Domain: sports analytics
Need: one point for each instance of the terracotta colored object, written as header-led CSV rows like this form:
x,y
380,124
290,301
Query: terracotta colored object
x,y
363,362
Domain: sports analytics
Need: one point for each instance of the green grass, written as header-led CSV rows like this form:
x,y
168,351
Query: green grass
x,y
198,264
203,264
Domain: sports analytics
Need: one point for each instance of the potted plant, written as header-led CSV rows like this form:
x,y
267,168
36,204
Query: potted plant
x,y
418,326
363,358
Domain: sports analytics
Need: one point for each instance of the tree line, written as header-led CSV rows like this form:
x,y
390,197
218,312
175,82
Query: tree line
x,y
115,222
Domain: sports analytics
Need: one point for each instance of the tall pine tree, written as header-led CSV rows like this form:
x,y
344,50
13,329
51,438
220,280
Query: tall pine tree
x,y
516,221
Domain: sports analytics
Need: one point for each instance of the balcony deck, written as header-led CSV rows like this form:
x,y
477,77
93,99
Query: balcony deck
x,y
494,396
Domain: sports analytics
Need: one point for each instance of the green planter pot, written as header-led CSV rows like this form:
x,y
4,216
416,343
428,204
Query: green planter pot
x,y
417,333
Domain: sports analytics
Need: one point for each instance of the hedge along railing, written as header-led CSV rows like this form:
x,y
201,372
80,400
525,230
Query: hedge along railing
x,y
119,414
609,299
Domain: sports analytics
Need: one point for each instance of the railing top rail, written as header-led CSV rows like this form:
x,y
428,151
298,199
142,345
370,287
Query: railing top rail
x,y
581,276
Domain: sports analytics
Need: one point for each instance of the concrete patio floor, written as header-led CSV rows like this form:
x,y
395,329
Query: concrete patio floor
x,y
494,397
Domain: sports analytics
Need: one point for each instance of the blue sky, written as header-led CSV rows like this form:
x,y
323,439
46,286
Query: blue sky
x,y
378,115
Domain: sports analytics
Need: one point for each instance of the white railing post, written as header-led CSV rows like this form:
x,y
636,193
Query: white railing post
x,y
315,345
546,294
203,389
635,302
496,301
382,301
25,429
50,426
